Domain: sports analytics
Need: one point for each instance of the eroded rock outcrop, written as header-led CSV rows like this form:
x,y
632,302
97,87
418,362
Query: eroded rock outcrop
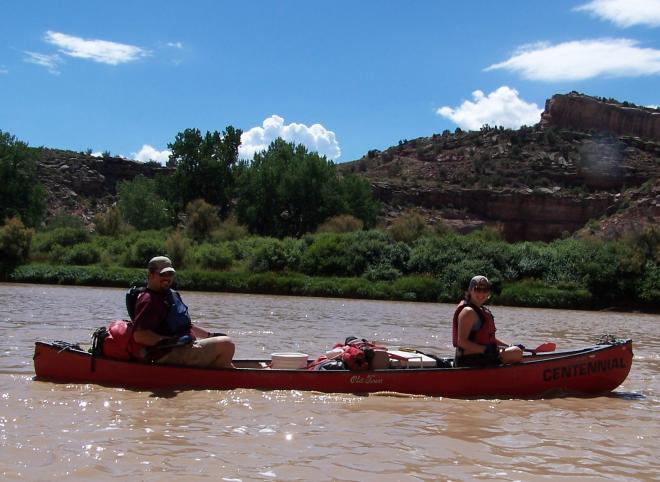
x,y
83,185
534,183
585,113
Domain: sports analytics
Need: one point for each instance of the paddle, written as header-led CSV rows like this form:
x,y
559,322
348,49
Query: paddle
x,y
542,348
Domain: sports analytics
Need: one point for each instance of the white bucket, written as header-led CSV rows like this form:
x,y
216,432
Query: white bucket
x,y
289,361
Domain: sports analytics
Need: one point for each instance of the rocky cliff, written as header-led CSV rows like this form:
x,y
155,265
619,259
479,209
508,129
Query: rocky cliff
x,y
534,183
83,185
585,113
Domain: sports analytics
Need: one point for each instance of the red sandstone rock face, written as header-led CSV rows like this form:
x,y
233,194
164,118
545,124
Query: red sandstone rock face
x,y
585,114
521,215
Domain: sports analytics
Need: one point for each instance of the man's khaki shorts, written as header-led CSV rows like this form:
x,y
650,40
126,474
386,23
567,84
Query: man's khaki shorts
x,y
200,353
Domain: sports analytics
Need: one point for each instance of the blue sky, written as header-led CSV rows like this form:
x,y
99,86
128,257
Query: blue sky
x,y
341,77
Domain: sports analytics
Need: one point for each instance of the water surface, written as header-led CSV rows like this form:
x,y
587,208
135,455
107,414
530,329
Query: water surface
x,y
49,430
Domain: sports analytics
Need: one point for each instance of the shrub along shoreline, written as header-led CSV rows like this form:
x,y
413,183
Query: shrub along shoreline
x,y
409,264
408,288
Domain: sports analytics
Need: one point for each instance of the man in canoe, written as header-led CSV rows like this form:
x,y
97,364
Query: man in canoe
x,y
473,330
163,331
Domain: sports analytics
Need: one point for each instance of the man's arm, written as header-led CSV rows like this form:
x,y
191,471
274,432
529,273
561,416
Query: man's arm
x,y
148,337
149,313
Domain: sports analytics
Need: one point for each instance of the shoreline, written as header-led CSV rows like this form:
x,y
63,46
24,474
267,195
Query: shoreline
x,y
408,289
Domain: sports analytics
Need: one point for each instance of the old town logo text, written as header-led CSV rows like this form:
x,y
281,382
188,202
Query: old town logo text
x,y
582,369
368,379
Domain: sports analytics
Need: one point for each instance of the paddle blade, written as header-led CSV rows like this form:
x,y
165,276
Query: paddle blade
x,y
545,347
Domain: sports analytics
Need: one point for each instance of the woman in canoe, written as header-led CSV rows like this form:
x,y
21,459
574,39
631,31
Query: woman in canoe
x,y
473,330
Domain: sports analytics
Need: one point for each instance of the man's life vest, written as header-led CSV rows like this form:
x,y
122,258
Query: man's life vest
x,y
177,322
116,340
483,331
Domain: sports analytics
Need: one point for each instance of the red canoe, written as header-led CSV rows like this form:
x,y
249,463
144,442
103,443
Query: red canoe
x,y
587,371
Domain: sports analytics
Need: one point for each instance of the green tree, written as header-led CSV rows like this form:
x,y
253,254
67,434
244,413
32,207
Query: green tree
x,y
204,166
288,191
359,200
21,194
141,206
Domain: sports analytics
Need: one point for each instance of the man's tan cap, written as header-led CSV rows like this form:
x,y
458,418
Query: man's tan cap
x,y
160,265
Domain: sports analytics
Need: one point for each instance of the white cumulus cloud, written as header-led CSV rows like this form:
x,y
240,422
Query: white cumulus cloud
x,y
625,13
148,153
315,137
101,51
582,59
502,107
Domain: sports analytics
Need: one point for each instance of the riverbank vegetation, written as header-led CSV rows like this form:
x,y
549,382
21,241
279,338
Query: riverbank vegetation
x,y
435,266
287,223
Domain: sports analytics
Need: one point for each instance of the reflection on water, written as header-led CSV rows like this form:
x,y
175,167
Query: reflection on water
x,y
87,431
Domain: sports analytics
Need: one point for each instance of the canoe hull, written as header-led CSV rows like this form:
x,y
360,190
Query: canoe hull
x,y
590,371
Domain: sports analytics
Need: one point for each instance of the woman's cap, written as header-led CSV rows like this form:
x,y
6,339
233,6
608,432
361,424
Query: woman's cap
x,y
479,282
160,265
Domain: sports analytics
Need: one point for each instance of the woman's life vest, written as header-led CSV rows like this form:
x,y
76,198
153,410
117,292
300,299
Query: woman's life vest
x,y
483,331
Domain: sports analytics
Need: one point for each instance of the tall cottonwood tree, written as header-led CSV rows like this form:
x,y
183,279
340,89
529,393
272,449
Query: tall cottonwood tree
x,y
289,191
21,194
204,166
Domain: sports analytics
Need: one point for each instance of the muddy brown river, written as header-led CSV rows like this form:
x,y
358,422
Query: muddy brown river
x,y
57,431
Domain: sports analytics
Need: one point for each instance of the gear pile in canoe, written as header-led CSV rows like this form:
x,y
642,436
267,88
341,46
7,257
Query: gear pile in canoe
x,y
589,371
